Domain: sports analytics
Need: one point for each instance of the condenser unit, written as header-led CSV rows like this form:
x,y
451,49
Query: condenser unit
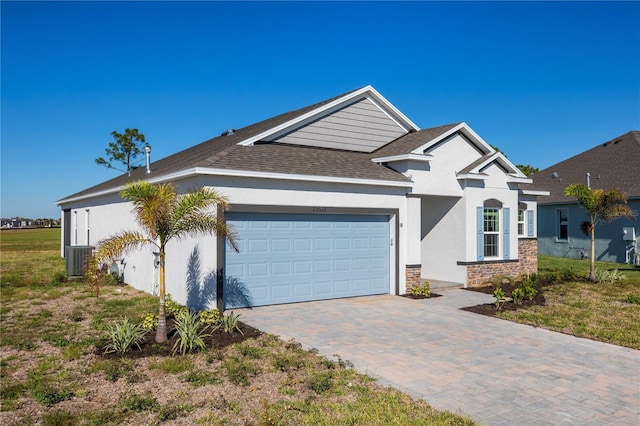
x,y
76,259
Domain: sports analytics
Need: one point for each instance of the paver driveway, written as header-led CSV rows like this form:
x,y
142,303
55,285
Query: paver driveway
x,y
494,371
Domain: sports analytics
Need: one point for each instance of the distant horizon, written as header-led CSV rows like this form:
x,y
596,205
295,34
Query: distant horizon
x,y
542,81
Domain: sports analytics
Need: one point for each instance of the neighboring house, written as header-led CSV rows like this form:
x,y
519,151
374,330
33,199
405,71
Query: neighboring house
x,y
613,164
346,197
16,222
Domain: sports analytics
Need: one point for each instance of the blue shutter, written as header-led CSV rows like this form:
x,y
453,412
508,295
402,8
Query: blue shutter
x,y
480,232
506,235
529,223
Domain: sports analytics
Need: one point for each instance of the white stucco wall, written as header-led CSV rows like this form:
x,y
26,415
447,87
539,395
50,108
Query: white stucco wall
x,y
443,238
109,215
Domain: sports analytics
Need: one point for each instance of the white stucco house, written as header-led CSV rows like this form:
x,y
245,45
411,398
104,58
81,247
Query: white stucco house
x,y
346,197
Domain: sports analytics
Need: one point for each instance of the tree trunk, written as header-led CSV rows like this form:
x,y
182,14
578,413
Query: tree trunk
x,y
592,270
161,333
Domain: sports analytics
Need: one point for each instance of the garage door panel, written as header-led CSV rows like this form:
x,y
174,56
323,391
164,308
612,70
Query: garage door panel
x,y
293,258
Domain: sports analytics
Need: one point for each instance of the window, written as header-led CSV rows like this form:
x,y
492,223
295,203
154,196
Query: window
x,y
87,223
75,228
563,225
521,223
491,232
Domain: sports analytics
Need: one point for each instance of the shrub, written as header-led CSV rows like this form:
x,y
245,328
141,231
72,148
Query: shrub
x,y
517,295
173,308
422,290
609,277
150,321
124,335
190,333
210,316
500,297
229,323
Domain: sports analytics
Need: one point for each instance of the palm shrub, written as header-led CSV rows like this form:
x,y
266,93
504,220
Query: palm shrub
x,y
164,215
123,335
601,206
190,333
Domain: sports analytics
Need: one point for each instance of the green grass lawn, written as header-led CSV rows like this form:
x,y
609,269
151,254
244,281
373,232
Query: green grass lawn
x,y
53,370
598,311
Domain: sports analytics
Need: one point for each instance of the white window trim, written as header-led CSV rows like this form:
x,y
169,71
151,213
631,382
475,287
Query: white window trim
x,y
497,233
522,223
558,224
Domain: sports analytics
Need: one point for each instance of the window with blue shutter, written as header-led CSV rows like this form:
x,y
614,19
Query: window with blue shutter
x,y
529,223
480,231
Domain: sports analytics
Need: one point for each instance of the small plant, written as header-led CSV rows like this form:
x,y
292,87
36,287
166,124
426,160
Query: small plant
x,y
517,295
500,298
150,321
59,277
423,289
138,403
632,298
124,335
528,289
320,382
553,277
239,370
609,277
190,333
229,323
210,316
173,308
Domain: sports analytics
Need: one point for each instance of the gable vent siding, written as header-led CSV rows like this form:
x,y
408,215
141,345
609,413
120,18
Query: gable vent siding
x,y
359,127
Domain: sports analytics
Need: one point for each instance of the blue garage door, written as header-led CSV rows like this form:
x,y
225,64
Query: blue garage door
x,y
287,258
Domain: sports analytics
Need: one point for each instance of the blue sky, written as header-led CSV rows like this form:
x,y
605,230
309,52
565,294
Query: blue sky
x,y
542,81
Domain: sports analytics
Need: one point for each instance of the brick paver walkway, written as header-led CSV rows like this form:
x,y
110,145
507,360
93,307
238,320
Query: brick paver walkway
x,y
494,371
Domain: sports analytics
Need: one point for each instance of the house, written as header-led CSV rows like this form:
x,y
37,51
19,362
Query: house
x,y
346,197
612,164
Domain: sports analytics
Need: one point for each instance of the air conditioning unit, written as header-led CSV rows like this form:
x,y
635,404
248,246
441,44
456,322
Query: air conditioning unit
x,y
76,259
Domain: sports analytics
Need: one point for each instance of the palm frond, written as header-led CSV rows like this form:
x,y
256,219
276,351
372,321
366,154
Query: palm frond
x,y
119,244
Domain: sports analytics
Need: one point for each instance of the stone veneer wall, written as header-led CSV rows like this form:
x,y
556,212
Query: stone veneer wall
x,y
527,263
413,276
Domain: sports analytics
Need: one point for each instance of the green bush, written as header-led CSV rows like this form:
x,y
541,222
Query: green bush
x,y
190,333
123,335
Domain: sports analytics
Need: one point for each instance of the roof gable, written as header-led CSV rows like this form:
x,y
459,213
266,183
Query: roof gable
x,y
361,126
362,120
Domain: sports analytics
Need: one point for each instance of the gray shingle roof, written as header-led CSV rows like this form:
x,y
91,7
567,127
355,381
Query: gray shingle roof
x,y
613,164
223,152
407,143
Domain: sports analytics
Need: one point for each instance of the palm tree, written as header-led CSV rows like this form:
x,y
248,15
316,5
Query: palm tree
x,y
164,215
601,206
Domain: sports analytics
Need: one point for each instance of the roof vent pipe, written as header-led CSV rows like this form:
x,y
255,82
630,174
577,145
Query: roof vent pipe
x,y
147,153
